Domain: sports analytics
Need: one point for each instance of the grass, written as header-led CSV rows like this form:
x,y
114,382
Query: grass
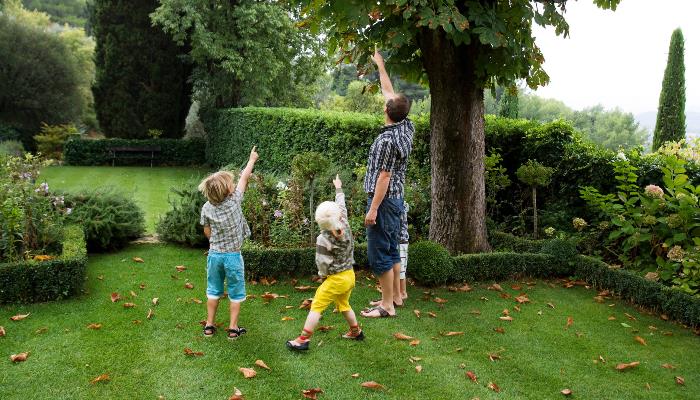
x,y
150,187
539,357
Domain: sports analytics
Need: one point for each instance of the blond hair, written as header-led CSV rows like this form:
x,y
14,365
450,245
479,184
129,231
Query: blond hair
x,y
217,186
328,216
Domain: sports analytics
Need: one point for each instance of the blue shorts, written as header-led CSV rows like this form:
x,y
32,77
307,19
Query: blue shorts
x,y
383,237
227,266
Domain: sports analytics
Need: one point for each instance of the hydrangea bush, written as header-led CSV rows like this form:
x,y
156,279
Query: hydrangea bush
x,y
655,229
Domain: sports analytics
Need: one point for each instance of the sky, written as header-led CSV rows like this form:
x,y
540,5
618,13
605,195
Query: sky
x,y
618,58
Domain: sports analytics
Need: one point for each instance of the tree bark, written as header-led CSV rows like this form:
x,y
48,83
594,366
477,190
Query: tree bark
x,y
458,212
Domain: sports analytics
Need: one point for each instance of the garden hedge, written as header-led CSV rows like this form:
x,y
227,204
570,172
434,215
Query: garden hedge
x,y
35,281
173,152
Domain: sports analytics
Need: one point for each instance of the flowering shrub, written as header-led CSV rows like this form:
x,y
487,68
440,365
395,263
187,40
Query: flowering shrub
x,y
656,229
31,217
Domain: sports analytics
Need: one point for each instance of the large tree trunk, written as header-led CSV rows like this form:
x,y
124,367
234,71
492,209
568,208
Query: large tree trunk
x,y
458,213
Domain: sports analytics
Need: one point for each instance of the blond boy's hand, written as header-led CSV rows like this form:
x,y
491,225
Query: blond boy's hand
x,y
253,154
377,57
337,182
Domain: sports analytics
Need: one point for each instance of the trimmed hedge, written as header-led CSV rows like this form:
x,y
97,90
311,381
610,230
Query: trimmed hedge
x,y
274,263
34,281
507,242
172,151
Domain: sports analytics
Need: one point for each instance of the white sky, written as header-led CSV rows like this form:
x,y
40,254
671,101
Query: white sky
x,y
618,58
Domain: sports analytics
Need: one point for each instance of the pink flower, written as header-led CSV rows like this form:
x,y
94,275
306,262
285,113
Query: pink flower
x,y
654,192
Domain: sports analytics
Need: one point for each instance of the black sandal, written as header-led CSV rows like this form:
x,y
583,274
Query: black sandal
x,y
234,334
298,347
209,330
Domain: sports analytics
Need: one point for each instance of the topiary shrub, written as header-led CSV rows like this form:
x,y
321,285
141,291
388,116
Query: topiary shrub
x,y
110,219
181,224
429,263
563,250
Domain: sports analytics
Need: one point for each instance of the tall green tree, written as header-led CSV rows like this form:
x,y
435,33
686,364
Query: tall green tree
x,y
461,47
611,129
39,79
245,52
670,119
141,80
508,106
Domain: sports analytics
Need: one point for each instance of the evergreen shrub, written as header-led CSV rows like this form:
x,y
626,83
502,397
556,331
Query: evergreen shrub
x,y
34,281
181,223
110,219
430,264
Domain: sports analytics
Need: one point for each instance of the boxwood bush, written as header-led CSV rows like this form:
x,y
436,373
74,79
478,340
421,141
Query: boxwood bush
x,y
110,219
58,278
172,151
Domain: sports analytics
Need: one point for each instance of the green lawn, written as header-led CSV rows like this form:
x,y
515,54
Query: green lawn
x,y
539,357
150,187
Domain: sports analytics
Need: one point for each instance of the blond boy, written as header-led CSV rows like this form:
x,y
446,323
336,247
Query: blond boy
x,y
334,259
226,229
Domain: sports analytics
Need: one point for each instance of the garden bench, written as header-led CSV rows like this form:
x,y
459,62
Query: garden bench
x,y
137,152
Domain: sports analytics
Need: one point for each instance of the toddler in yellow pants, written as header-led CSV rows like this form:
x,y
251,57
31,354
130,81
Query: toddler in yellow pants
x,y
334,259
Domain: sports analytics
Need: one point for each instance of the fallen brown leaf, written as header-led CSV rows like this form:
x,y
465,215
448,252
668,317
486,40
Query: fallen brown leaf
x,y
154,301
261,364
138,259
2,331
453,333
475,312
516,287
522,299
180,268
19,317
196,300
494,356
311,393
463,288
419,368
115,297
237,395
15,358
505,295
372,385
471,375
269,296
355,375
493,387
680,380
626,366
630,317
601,359
142,286
191,353
306,304
506,318
100,277
133,294
101,378
569,322
611,318
668,366
414,359
566,392
551,305
495,287
414,342
432,314
439,300
401,336
94,326
150,314
516,308
417,313
248,372
136,321
304,288
324,328
640,340
499,330
287,318
189,285
129,305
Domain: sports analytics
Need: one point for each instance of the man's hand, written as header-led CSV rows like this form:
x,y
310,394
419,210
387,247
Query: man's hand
x,y
371,217
337,182
377,58
253,155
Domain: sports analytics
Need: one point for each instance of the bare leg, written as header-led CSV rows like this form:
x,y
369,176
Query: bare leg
x,y
309,326
398,300
235,309
350,317
212,305
386,280
404,293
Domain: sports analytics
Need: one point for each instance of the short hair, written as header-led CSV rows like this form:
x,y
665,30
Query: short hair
x,y
217,186
397,107
328,216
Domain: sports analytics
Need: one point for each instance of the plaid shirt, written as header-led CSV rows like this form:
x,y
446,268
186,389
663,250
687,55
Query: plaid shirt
x,y
403,235
228,226
333,254
390,152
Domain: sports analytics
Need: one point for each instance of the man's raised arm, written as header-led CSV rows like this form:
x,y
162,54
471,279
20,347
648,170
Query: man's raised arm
x,y
387,89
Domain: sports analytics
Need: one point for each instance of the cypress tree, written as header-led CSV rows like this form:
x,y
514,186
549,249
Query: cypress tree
x,y
141,80
508,106
670,120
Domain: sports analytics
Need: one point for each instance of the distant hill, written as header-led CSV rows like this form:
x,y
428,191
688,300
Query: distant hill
x,y
692,122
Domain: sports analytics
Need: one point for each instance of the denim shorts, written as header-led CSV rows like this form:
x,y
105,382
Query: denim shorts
x,y
383,237
228,266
